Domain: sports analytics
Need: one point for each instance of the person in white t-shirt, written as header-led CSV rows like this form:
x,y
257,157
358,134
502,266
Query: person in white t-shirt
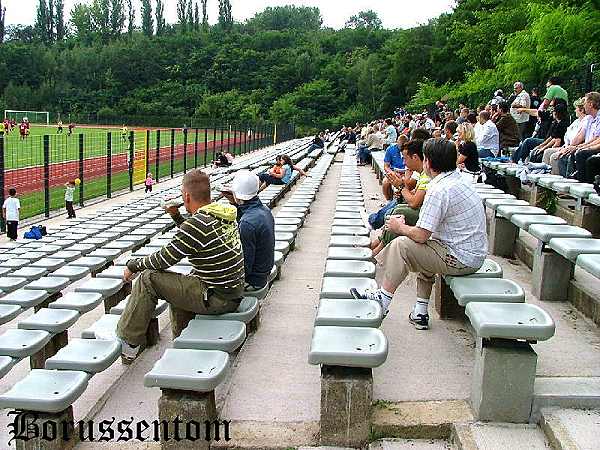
x,y
10,212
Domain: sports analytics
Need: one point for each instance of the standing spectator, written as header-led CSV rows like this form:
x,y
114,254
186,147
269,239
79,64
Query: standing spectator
x,y
508,129
554,91
10,211
69,192
522,100
148,182
487,136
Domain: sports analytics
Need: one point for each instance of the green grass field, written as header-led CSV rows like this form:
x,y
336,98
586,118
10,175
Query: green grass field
x,y
21,153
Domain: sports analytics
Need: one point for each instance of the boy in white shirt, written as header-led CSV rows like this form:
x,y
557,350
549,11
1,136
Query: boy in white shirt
x,y
10,212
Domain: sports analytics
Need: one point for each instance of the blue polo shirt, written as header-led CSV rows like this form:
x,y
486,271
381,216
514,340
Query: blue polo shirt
x,y
393,156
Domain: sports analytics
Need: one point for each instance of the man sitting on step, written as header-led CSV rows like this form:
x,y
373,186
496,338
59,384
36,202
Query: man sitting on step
x,y
449,237
257,229
210,240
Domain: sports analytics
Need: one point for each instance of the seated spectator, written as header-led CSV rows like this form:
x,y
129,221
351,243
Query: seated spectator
x,y
257,230
391,134
448,239
210,240
468,156
373,142
276,174
462,118
551,155
221,160
413,198
507,127
555,138
318,142
393,161
487,137
585,145
450,130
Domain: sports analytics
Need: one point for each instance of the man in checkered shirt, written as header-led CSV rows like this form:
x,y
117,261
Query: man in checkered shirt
x,y
449,237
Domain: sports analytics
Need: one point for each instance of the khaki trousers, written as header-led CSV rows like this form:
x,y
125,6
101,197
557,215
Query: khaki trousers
x,y
184,294
404,255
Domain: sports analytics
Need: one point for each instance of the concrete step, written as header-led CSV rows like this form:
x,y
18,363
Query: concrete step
x,y
565,392
499,436
568,429
410,444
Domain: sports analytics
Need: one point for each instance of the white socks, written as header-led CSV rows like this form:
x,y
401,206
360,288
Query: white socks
x,y
420,307
386,299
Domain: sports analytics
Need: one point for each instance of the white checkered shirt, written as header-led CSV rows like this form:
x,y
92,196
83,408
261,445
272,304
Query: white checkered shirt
x,y
454,213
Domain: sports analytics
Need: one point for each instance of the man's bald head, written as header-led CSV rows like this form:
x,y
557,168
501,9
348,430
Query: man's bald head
x,y
197,184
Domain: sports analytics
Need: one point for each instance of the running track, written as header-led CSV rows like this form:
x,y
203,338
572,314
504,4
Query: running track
x,y
31,179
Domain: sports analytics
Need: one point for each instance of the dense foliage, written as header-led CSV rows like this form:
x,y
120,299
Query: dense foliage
x,y
283,65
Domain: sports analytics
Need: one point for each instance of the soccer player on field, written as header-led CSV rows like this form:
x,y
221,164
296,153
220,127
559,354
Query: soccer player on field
x,y
59,129
124,131
71,128
23,130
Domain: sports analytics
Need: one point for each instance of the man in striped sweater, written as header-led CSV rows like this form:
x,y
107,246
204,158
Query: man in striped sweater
x,y
210,240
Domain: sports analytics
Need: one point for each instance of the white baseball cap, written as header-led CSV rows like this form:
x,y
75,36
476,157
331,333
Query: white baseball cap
x,y
245,185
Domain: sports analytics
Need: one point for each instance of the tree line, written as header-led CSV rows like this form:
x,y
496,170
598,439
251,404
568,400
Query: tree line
x,y
283,64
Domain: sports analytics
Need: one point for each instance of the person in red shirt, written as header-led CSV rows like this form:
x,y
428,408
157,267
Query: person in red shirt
x,y
71,128
23,130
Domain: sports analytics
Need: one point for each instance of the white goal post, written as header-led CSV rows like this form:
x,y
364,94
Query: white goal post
x,y
42,117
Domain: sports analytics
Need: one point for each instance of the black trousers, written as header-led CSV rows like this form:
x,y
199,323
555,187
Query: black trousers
x,y
581,163
592,168
11,229
70,210
148,188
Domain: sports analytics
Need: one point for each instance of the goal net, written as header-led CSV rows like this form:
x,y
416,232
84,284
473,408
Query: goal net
x,y
40,117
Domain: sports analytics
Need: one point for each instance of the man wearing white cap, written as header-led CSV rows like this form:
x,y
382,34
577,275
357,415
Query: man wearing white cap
x,y
257,229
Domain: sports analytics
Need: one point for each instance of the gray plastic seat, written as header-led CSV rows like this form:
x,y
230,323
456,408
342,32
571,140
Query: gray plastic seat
x,y
118,309
524,221
14,263
287,221
571,248
286,237
67,255
348,347
494,203
258,293
548,182
510,321
287,229
85,355
96,242
582,190
563,186
278,258
282,246
8,313
64,243
50,264
145,251
339,287
32,255
122,246
25,298
22,343
224,335
50,320
350,253
108,235
108,253
489,269
78,301
507,211
536,176
349,231
494,290
247,311
50,284
5,271
105,327
189,370
349,268
91,262
73,273
158,243
46,248
9,284
112,272
345,313
83,248
293,215
348,223
340,215
44,390
349,241
6,363
294,209
594,199
590,263
104,286
546,232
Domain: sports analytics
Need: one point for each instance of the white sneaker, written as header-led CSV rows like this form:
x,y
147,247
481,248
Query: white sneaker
x,y
376,296
365,218
129,352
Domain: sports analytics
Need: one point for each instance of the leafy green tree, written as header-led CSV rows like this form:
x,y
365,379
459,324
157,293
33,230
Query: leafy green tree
x,y
204,14
182,17
161,24
130,17
196,17
81,20
365,19
225,16
287,18
2,22
147,22
59,19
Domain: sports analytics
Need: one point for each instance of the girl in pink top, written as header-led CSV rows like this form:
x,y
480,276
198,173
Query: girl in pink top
x,y
148,183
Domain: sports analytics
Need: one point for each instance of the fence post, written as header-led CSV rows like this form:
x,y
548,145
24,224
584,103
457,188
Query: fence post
x,y
81,191
185,144
147,152
2,182
108,164
156,163
47,175
244,145
222,137
214,141
172,151
131,159
196,149
205,146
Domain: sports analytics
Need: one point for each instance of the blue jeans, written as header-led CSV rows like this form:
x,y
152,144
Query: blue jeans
x,y
377,220
486,153
364,155
525,149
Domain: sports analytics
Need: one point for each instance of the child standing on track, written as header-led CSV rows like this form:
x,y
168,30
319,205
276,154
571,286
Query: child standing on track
x,y
149,183
69,191
10,212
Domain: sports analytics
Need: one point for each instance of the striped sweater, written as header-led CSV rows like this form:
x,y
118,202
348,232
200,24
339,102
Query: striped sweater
x,y
211,241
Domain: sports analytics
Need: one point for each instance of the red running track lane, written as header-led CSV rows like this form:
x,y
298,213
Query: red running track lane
x,y
31,179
